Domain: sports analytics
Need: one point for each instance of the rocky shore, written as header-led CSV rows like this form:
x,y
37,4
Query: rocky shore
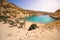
x,y
14,27
56,14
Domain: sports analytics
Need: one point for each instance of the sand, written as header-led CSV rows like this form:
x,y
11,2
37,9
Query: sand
x,y
15,33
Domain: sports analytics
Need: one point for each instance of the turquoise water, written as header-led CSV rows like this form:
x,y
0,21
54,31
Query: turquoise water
x,y
41,19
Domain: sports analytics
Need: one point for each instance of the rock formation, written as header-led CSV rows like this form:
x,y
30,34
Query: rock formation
x,y
10,9
56,14
13,12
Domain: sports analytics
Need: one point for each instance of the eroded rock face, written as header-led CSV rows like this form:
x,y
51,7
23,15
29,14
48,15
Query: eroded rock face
x,y
13,12
10,9
2,0
56,14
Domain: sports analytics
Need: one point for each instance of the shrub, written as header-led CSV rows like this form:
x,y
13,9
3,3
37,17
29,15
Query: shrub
x,y
33,26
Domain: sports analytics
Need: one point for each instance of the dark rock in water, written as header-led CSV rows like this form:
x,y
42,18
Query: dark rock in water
x,y
32,27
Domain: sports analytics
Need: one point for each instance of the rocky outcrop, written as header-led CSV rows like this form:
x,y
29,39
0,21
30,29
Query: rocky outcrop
x,y
13,12
10,9
56,15
54,24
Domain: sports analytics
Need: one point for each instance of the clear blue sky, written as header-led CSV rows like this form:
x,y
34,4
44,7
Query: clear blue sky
x,y
39,5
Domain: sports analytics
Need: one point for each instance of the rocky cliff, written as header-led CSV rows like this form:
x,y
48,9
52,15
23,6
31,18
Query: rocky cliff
x,y
10,9
56,15
12,12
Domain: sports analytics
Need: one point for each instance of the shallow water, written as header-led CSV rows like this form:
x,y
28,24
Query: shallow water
x,y
41,19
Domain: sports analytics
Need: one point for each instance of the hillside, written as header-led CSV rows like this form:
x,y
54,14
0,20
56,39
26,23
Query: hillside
x,y
10,13
14,27
10,9
56,14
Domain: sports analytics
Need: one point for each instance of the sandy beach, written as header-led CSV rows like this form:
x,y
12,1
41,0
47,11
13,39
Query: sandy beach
x,y
15,33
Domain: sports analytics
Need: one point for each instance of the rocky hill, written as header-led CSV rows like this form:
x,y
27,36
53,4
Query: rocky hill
x,y
10,9
56,14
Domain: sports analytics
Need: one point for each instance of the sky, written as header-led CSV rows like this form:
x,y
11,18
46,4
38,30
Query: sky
x,y
38,5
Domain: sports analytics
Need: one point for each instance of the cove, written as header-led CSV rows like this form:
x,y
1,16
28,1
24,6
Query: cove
x,y
40,19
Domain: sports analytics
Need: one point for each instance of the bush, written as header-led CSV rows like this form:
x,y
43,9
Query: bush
x,y
33,26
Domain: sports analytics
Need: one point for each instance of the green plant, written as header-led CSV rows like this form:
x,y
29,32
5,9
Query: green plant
x,y
33,26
